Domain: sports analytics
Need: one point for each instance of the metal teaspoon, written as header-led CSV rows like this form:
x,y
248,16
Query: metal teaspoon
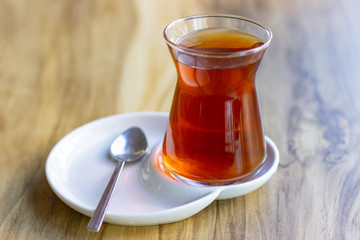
x,y
130,145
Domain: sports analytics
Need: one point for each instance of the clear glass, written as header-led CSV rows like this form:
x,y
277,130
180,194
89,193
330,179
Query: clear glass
x,y
215,135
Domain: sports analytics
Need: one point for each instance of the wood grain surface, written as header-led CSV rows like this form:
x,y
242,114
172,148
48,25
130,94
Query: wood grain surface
x,y
65,63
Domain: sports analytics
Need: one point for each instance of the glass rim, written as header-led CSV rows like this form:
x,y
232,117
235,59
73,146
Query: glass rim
x,y
240,53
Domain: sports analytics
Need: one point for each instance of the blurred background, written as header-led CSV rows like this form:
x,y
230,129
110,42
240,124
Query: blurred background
x,y
65,63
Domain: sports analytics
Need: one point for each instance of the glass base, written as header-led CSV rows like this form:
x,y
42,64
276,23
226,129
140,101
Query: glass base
x,y
244,178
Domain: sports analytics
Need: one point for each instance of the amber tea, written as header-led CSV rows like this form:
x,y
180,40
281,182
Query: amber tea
x,y
215,133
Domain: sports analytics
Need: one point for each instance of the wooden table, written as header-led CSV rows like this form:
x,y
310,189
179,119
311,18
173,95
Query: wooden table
x,y
65,63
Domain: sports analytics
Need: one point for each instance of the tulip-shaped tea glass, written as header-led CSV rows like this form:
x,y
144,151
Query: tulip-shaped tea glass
x,y
215,135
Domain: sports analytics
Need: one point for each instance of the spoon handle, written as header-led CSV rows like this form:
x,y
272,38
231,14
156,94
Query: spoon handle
x,y
99,214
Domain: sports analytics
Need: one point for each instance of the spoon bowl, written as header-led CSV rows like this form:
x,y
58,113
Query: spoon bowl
x,y
131,145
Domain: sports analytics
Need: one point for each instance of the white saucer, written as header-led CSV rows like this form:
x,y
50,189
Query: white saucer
x,y
78,169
